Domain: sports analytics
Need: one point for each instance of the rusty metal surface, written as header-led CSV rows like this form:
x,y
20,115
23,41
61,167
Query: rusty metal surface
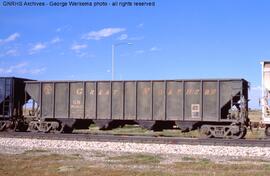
x,y
177,100
175,94
61,100
130,100
209,100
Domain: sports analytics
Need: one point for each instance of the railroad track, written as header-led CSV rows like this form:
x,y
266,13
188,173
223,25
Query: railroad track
x,y
138,139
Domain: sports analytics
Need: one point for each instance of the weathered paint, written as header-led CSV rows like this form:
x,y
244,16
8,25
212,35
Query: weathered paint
x,y
159,100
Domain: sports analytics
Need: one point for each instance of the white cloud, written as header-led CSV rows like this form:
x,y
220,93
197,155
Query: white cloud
x,y
21,68
140,51
125,54
82,54
37,47
85,55
80,51
10,38
34,71
58,29
122,37
78,47
12,52
256,88
103,33
55,40
12,68
42,45
136,38
154,48
140,25
63,28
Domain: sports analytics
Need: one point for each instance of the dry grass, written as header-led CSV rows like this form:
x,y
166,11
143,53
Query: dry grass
x,y
206,167
137,159
255,115
137,130
36,163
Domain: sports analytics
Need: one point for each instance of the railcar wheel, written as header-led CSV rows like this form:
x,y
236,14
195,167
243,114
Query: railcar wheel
x,y
205,132
21,126
241,134
10,127
267,131
2,125
7,126
66,128
59,130
32,127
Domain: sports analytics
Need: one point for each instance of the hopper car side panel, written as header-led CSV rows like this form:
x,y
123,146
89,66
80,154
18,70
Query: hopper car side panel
x,y
164,100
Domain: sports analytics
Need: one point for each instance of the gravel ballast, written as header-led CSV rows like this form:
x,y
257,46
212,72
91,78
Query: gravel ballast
x,y
13,145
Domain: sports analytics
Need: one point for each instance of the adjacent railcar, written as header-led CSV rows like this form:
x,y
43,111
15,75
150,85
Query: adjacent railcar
x,y
264,101
218,108
12,98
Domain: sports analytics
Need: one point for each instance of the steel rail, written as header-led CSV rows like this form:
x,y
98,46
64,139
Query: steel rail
x,y
139,139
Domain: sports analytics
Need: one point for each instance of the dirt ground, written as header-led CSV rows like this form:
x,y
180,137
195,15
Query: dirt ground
x,y
42,162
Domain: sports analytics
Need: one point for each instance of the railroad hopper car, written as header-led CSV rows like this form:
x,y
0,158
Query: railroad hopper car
x,y
218,108
12,98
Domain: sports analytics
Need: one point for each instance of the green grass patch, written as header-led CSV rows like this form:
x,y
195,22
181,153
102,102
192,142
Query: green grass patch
x,y
187,158
138,131
206,167
98,154
64,165
135,159
34,151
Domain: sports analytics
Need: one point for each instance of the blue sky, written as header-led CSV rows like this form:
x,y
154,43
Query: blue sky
x,y
177,39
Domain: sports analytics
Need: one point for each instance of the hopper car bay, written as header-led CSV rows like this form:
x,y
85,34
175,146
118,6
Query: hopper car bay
x,y
215,107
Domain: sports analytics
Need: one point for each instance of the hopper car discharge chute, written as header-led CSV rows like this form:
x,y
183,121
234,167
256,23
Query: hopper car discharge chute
x,y
12,99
